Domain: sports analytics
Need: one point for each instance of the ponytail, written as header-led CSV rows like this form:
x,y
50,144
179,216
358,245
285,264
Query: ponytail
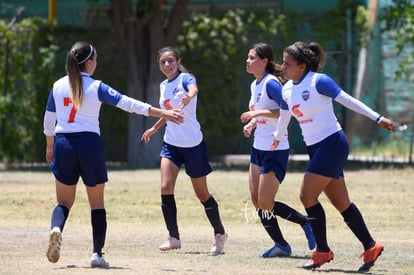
x,y
75,64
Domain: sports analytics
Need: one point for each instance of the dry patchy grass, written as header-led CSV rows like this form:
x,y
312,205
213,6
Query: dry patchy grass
x,y
136,227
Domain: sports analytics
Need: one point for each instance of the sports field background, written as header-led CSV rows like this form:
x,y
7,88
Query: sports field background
x,y
136,227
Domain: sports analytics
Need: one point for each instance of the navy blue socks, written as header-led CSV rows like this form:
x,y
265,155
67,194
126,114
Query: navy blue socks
x,y
213,215
98,220
169,211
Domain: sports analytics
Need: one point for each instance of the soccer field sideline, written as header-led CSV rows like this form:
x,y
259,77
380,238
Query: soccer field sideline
x,y
243,159
239,161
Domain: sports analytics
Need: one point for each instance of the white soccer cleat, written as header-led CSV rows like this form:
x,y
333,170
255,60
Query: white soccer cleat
x,y
170,243
218,245
55,240
98,261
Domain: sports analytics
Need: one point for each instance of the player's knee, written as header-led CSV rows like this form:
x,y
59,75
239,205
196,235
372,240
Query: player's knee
x,y
267,205
307,200
203,197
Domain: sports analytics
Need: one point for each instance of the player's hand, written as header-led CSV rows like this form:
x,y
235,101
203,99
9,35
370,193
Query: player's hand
x,y
185,100
146,136
274,145
174,115
246,116
388,125
247,130
49,154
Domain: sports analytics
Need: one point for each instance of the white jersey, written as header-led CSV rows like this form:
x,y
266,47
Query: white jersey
x,y
310,102
62,117
187,134
314,111
265,126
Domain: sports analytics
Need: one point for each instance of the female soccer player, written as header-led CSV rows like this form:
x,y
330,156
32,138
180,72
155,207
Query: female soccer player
x,y
183,145
308,96
268,168
74,147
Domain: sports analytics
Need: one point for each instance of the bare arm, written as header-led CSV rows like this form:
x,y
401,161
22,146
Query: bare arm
x,y
246,116
192,92
248,128
49,148
146,136
160,122
171,115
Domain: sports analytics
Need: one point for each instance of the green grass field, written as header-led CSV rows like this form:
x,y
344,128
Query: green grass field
x,y
136,227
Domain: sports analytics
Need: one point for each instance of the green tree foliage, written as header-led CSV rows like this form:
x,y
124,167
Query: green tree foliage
x,y
26,60
141,28
215,49
213,45
398,17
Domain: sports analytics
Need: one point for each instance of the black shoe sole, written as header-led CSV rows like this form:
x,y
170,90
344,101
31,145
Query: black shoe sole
x,y
367,266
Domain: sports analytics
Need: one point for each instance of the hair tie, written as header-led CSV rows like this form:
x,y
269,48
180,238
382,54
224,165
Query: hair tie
x,y
301,53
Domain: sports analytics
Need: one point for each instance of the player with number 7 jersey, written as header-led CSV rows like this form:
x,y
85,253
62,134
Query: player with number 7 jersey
x,y
74,146
85,119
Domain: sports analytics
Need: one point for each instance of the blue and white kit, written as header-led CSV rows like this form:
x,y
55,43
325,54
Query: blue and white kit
x,y
310,102
264,96
62,117
188,133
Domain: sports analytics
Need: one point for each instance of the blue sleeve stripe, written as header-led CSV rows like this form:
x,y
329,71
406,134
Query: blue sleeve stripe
x,y
274,91
51,107
327,86
187,80
108,95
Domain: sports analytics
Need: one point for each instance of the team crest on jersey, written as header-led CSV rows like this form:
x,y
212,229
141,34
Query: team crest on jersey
x,y
176,90
112,92
259,95
305,95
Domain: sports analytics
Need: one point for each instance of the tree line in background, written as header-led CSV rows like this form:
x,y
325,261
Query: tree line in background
x,y
213,46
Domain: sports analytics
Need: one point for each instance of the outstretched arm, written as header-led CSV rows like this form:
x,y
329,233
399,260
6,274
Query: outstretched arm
x,y
192,92
359,107
132,105
110,96
174,115
326,86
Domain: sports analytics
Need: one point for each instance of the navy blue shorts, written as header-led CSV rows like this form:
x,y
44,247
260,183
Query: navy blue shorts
x,y
275,161
195,159
328,157
79,155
